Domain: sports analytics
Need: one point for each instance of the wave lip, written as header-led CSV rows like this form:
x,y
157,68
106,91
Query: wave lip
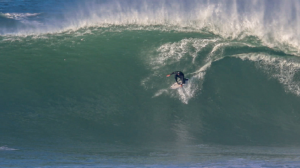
x,y
285,70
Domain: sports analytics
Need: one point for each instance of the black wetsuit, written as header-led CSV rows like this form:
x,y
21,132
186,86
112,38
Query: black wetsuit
x,y
180,75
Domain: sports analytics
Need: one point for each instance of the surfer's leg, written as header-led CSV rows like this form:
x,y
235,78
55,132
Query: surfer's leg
x,y
184,80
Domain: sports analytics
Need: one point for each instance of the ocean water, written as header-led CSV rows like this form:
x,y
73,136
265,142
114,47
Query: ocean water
x,y
83,83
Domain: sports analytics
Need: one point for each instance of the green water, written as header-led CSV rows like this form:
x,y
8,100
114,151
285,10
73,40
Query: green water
x,y
102,87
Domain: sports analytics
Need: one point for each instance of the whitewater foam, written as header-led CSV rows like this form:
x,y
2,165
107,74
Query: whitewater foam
x,y
275,24
19,16
187,52
5,148
184,52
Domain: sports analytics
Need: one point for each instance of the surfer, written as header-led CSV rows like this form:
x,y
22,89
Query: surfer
x,y
178,75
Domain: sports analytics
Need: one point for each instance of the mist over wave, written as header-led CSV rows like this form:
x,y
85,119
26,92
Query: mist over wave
x,y
274,23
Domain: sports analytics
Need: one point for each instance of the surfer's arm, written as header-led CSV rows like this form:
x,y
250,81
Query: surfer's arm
x,y
171,74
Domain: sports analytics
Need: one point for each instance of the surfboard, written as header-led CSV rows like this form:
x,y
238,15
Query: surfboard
x,y
176,85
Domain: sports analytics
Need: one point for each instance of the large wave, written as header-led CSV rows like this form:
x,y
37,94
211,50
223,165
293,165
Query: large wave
x,y
78,73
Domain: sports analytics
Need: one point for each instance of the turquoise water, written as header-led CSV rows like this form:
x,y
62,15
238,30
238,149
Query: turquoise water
x,y
83,84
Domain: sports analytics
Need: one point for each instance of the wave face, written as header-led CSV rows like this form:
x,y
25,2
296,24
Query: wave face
x,y
96,72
